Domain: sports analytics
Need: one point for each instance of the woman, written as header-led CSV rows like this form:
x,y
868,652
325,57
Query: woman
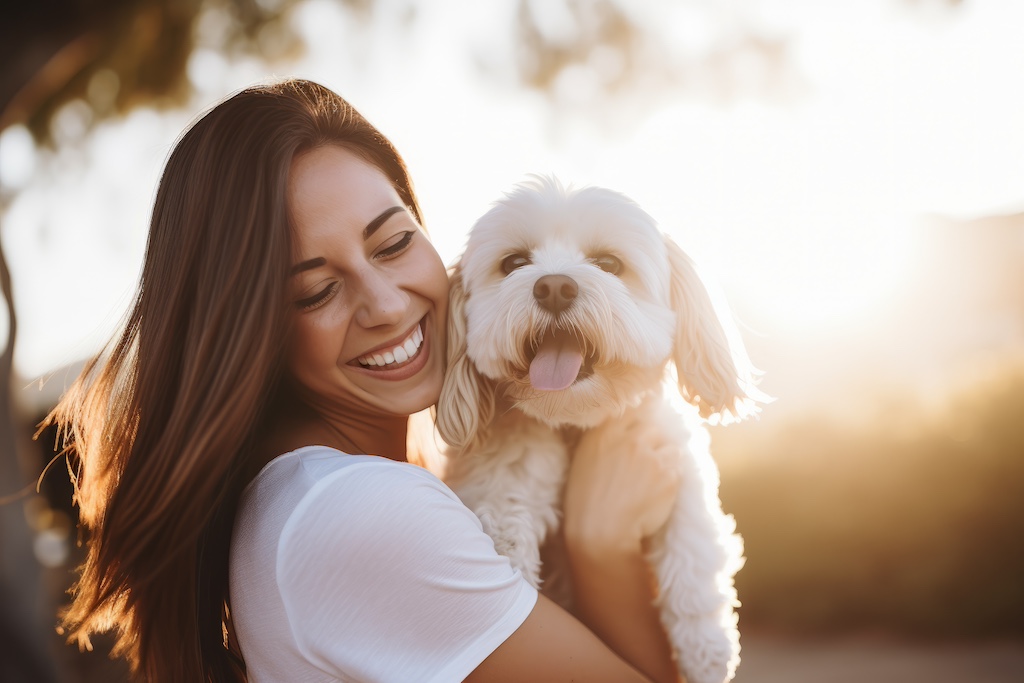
x,y
291,312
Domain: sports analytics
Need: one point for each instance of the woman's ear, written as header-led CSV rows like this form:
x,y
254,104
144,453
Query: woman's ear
x,y
713,369
466,404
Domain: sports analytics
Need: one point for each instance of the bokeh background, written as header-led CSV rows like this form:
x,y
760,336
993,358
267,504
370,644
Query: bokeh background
x,y
849,174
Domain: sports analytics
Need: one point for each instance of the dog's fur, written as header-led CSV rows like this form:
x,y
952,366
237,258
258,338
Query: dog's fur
x,y
510,444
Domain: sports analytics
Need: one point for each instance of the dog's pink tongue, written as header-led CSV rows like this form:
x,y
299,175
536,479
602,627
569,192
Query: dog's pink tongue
x,y
557,362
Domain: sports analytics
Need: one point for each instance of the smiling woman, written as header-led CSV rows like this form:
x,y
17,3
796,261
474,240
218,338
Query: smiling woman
x,y
172,423
290,320
368,284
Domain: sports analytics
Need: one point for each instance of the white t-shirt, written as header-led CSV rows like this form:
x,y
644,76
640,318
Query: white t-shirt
x,y
359,568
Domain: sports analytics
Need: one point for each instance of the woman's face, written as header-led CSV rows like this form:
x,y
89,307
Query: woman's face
x,y
369,291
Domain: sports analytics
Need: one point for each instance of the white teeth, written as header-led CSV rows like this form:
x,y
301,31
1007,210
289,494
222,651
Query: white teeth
x,y
399,354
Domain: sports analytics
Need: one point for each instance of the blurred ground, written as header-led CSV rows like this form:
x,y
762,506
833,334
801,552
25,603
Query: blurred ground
x,y
777,659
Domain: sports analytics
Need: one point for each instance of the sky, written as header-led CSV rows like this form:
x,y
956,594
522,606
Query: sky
x,y
802,207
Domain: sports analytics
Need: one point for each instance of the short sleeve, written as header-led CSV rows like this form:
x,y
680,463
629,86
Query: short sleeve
x,y
386,576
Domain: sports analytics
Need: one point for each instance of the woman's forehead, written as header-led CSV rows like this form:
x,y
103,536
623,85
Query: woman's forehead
x,y
331,188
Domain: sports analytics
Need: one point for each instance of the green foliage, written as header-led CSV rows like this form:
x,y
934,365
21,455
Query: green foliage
x,y
116,55
913,525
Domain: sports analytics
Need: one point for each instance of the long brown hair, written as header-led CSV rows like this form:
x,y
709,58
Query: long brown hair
x,y
160,426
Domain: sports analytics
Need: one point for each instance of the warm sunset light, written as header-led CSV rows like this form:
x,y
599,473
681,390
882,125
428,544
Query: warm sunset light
x,y
849,177
800,201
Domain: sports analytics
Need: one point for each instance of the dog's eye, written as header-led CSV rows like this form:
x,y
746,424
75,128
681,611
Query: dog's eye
x,y
510,263
608,263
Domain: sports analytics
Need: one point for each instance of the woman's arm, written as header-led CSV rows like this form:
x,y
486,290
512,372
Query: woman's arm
x,y
614,594
620,490
553,646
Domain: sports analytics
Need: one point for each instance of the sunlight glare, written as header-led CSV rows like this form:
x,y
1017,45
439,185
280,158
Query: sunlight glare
x,y
791,219
801,207
17,157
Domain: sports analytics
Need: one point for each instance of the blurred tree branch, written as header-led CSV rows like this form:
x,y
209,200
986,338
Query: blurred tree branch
x,y
609,59
603,55
55,50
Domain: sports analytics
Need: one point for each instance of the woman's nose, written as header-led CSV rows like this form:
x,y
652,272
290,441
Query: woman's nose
x,y
382,301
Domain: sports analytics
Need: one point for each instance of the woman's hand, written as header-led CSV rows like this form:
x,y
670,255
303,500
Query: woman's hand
x,y
621,488
621,485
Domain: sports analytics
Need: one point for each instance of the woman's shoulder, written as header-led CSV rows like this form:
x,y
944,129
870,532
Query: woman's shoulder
x,y
319,476
300,471
307,462
317,490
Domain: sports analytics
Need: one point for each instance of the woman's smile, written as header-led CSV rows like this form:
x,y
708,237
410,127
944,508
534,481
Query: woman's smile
x,y
398,359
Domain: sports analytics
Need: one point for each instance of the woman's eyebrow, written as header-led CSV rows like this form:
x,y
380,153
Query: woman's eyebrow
x,y
372,226
308,265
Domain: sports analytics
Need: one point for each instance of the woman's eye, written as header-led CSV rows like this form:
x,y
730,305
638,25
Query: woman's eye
x,y
397,247
510,263
318,299
608,263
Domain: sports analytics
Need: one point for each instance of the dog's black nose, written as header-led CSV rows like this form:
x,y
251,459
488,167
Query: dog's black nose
x,y
555,292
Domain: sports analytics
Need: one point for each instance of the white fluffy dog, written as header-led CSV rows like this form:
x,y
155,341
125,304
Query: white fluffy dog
x,y
567,308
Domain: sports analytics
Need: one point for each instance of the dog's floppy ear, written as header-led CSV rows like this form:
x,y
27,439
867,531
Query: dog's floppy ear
x,y
713,369
466,405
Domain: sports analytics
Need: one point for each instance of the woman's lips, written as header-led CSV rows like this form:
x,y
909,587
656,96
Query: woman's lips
x,y
394,353
386,361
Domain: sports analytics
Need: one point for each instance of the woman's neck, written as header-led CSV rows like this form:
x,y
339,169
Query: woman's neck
x,y
297,424
384,436
353,431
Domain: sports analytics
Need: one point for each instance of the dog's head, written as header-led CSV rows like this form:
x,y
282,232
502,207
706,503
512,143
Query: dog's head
x,y
570,303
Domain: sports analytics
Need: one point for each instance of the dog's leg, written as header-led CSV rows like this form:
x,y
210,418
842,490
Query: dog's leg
x,y
695,558
514,483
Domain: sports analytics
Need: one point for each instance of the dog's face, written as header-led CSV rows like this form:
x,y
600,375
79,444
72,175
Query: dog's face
x,y
570,303
568,306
